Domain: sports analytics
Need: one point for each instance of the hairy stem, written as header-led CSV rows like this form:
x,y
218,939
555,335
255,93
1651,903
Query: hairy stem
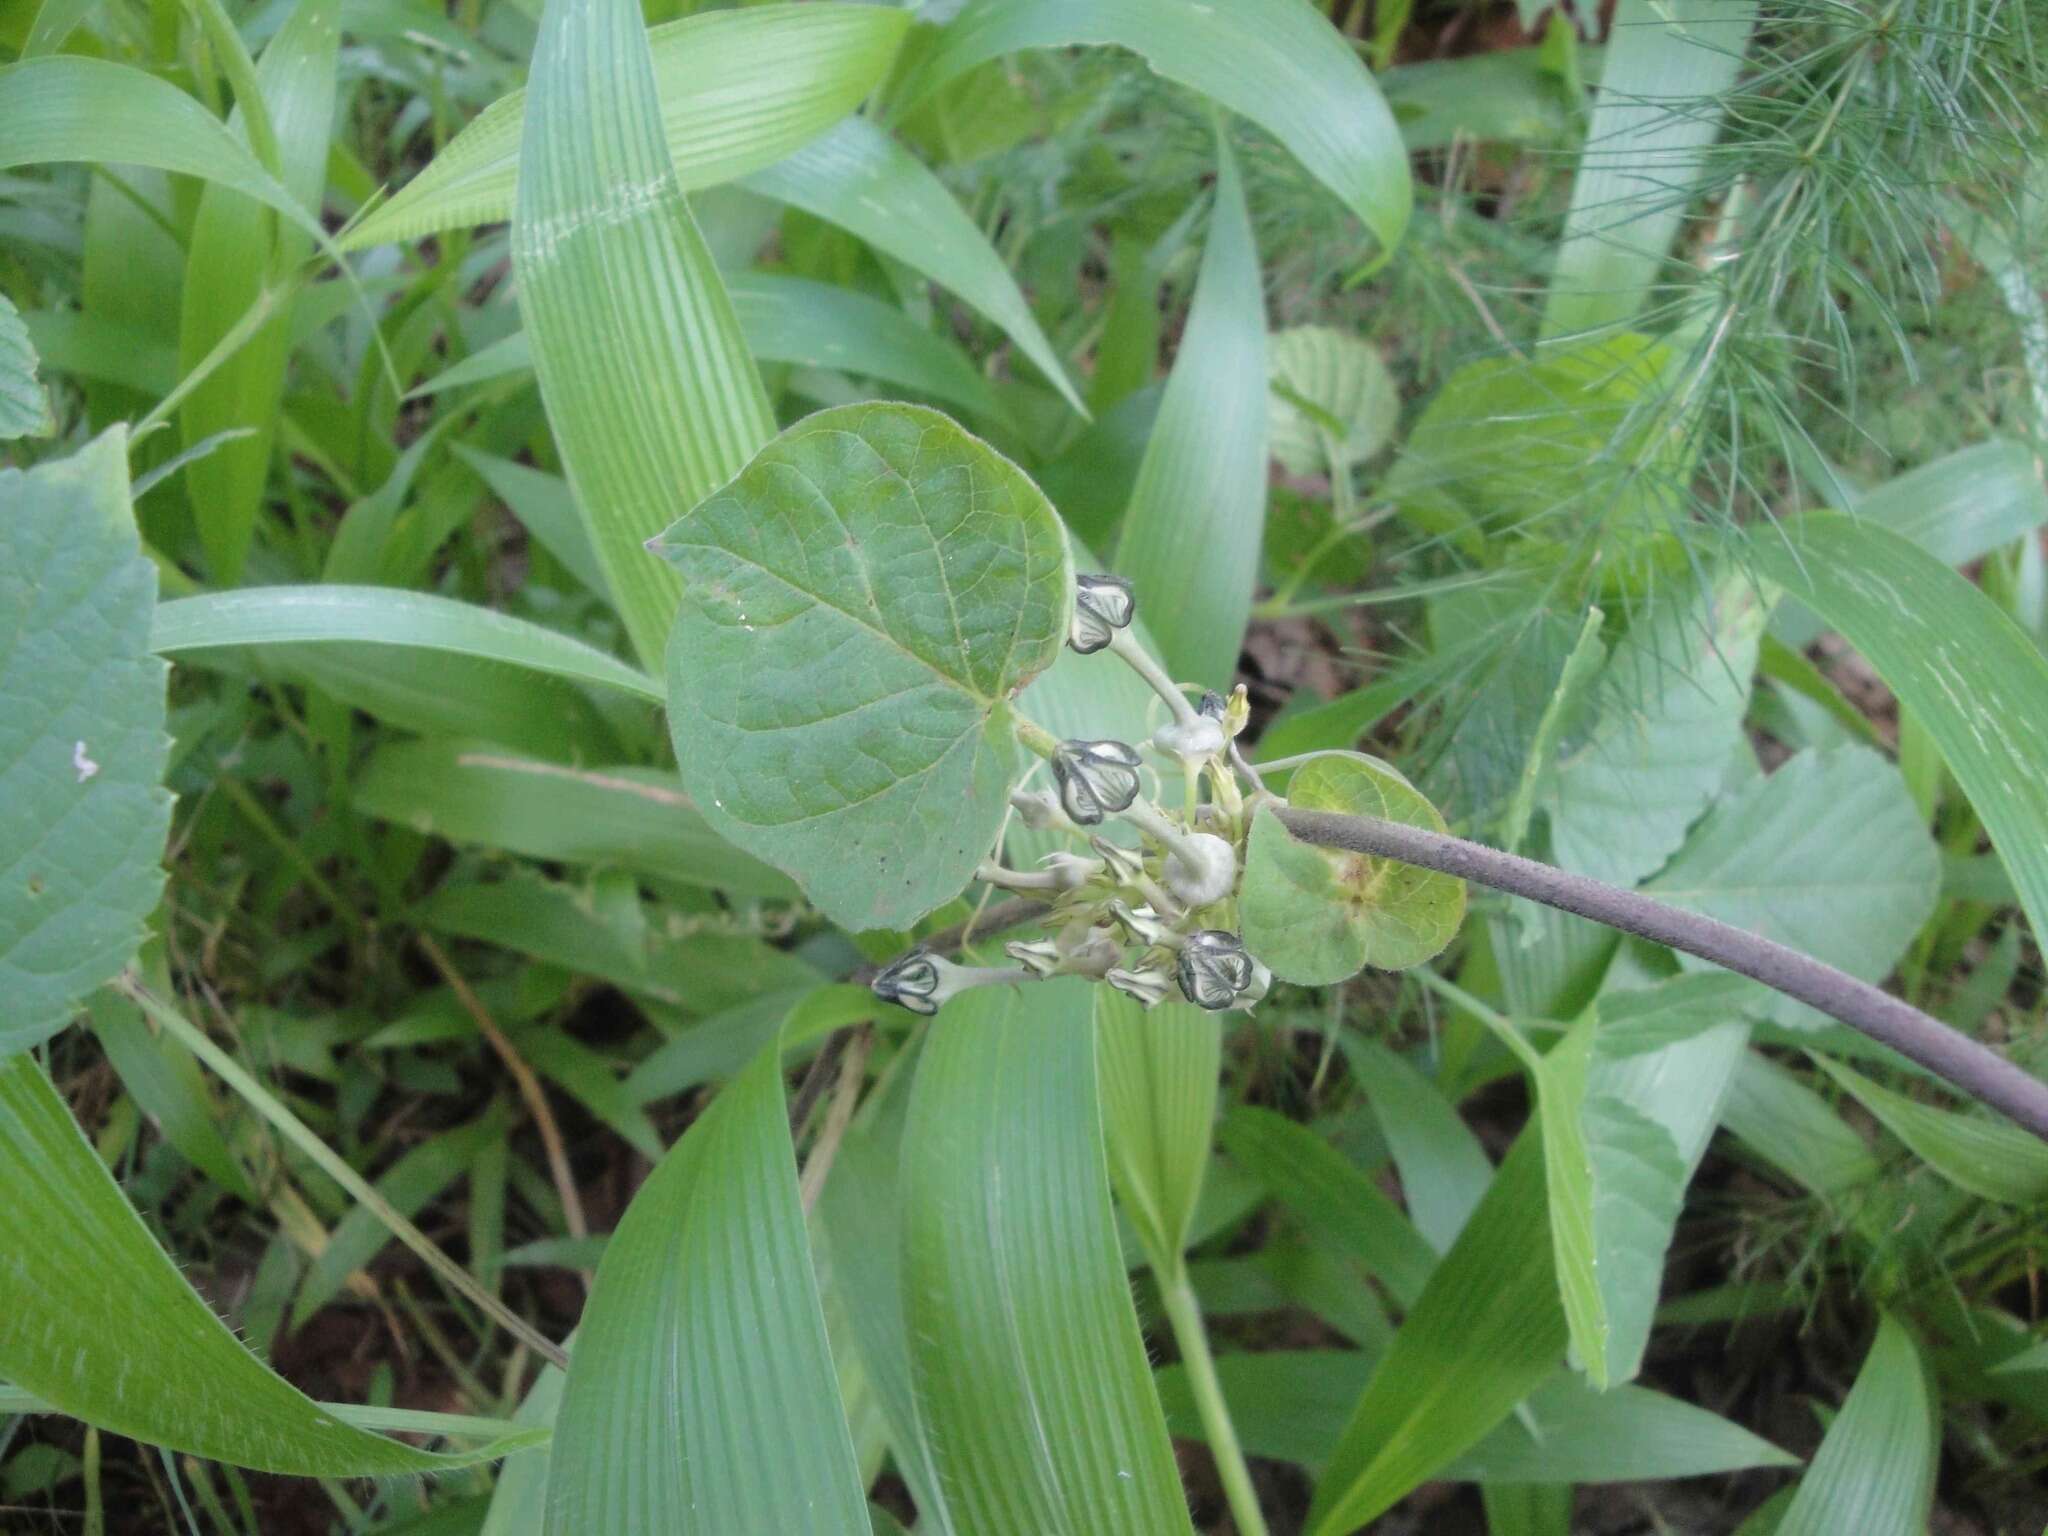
x,y
1975,1069
1184,1312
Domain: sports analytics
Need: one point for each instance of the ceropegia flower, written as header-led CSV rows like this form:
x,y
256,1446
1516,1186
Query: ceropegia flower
x,y
1069,871
1095,778
1214,969
1039,810
1041,957
1140,924
1143,986
1060,872
1125,866
1102,606
924,983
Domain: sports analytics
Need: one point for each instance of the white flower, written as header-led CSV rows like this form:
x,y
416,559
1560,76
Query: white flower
x,y
1140,924
1145,987
1125,866
1041,957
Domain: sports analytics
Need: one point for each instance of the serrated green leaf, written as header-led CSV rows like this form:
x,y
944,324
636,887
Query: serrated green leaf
x,y
1986,1157
1970,675
859,607
1329,387
1190,540
1277,62
1543,448
1827,855
1047,1422
66,108
235,251
702,1359
625,817
1615,1181
1159,1070
650,392
738,91
1668,712
1668,65
1874,1471
1585,661
24,403
82,743
1316,916
1662,1063
147,1359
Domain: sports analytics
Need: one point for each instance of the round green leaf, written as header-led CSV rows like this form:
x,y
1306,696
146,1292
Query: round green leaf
x,y
859,607
1316,916
1329,387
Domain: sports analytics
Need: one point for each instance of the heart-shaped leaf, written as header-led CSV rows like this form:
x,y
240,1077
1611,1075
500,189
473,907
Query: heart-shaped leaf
x,y
1316,916
859,607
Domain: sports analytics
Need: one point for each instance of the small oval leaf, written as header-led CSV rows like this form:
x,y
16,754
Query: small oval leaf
x,y
859,607
1315,916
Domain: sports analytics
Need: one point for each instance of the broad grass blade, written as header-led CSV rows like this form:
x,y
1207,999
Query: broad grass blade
x,y
1047,1420
1190,541
701,1394
653,398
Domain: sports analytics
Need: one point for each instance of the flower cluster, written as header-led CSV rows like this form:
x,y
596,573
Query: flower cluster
x,y
1151,912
